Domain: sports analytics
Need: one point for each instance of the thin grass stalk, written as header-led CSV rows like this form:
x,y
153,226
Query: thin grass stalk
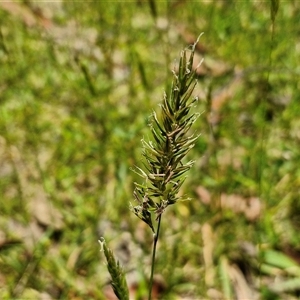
x,y
155,240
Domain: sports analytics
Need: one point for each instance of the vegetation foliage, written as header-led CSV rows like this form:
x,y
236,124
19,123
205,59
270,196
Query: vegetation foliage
x,y
77,84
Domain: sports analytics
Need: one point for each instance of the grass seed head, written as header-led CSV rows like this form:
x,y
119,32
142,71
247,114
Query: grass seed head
x,y
163,156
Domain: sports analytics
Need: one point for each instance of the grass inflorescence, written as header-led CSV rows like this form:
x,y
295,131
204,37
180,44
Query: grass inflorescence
x,y
116,272
164,169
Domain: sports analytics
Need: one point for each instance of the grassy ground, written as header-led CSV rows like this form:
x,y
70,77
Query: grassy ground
x,y
78,83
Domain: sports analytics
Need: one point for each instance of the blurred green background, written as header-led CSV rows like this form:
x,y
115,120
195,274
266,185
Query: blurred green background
x,y
78,83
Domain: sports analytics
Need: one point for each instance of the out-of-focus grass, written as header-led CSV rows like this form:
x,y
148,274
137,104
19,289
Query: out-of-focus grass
x,y
77,86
